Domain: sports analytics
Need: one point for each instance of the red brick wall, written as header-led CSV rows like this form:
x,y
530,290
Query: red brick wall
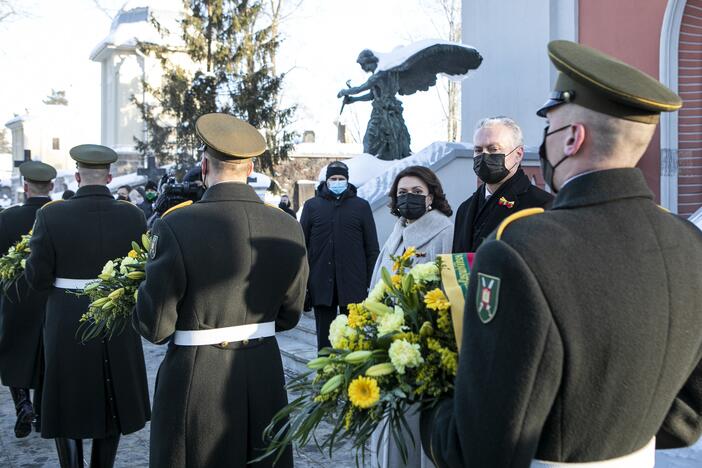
x,y
690,116
629,30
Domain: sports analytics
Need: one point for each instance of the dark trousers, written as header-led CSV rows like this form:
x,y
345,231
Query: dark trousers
x,y
324,316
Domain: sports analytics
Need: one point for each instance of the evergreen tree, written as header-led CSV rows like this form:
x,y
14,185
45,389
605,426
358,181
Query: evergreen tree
x,y
233,45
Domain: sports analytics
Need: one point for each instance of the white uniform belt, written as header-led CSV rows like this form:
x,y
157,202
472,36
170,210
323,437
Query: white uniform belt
x,y
224,335
642,458
70,283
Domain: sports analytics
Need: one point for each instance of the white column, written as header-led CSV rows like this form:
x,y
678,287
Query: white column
x,y
668,72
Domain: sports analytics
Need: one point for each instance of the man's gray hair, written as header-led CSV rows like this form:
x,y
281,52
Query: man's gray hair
x,y
517,135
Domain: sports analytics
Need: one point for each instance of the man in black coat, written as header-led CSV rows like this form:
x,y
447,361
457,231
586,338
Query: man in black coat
x,y
581,338
498,151
21,308
94,390
224,275
285,205
342,246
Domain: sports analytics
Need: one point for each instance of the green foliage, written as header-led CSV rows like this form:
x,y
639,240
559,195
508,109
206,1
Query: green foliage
x,y
233,44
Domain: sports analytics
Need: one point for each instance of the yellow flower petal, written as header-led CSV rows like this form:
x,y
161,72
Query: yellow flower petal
x,y
364,392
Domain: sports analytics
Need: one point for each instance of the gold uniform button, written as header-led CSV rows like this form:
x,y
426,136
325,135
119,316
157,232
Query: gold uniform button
x,y
245,342
224,344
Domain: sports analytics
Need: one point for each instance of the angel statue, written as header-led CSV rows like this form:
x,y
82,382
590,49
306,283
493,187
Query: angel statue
x,y
403,71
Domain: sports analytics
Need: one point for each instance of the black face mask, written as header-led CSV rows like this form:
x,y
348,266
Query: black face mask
x,y
122,197
490,167
548,169
411,205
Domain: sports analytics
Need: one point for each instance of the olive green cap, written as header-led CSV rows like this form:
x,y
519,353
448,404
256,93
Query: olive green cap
x,y
597,81
94,156
37,171
227,137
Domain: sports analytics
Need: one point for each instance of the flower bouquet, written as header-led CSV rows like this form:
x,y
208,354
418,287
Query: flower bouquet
x,y
394,350
114,294
13,262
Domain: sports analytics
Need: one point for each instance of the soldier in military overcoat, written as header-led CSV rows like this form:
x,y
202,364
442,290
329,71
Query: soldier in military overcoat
x,y
21,308
97,389
581,337
224,275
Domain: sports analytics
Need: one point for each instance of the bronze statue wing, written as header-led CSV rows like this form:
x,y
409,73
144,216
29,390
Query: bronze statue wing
x,y
418,72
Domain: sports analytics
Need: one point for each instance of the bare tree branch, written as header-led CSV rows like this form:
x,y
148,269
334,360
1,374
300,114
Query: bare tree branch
x,y
7,10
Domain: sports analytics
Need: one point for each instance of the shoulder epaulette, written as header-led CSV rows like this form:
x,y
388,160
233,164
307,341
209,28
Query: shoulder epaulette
x,y
272,206
177,207
663,208
513,217
50,203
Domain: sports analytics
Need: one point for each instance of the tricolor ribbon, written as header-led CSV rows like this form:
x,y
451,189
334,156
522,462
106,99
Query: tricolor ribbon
x,y
504,202
455,273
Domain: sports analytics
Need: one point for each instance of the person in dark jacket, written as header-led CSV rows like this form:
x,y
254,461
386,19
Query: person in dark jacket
x,y
150,196
498,151
67,194
342,247
21,308
223,275
581,341
285,206
97,389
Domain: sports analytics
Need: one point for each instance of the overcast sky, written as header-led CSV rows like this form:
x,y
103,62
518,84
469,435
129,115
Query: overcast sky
x,y
49,47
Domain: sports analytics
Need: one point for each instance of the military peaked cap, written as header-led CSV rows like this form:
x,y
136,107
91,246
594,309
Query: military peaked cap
x,y
227,137
594,80
37,171
93,155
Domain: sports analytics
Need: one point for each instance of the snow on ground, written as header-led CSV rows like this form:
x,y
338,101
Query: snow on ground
x,y
680,458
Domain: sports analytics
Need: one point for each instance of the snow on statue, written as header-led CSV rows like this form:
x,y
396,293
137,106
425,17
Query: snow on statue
x,y
404,71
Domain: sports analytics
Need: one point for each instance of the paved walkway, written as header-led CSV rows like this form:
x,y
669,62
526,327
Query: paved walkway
x,y
36,452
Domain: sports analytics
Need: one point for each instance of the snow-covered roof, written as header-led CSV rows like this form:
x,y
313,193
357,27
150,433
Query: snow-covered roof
x,y
399,54
361,168
133,24
16,119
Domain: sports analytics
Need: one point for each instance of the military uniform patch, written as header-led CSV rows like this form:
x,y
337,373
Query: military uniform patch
x,y
152,247
487,296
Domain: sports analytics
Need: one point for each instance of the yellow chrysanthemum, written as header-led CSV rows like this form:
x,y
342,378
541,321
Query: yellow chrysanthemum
x,y
436,300
364,392
132,254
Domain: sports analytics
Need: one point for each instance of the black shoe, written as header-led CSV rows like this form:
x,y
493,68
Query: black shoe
x,y
23,426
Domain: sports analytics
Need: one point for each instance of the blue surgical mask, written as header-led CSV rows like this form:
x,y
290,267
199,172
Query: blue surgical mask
x,y
337,186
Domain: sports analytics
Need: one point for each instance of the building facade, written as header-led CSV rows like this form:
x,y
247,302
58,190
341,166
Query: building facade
x,y
661,37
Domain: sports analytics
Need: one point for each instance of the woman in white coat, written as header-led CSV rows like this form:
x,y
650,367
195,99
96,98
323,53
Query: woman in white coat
x,y
419,202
